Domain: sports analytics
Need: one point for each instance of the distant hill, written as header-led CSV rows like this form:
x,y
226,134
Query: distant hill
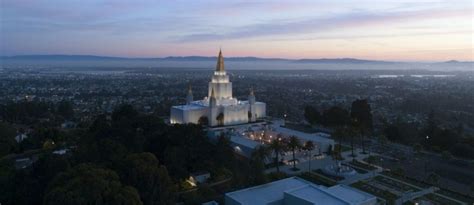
x,y
340,60
81,62
457,62
181,58
67,57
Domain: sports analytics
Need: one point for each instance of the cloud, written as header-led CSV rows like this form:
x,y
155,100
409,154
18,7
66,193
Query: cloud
x,y
310,25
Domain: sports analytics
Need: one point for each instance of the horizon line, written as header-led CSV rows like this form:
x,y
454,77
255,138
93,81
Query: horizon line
x,y
275,58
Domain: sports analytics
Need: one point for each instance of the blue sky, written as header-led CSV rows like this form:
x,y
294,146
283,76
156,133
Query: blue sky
x,y
423,30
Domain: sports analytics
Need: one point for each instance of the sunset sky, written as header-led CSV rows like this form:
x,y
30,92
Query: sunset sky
x,y
421,30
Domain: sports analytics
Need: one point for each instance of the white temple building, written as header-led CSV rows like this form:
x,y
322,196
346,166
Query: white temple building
x,y
219,108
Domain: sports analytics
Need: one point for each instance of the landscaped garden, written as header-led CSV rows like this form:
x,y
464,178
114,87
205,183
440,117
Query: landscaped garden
x,y
363,165
385,195
335,178
317,179
415,182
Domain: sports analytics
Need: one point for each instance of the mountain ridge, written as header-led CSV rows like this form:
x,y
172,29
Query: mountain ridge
x,y
64,57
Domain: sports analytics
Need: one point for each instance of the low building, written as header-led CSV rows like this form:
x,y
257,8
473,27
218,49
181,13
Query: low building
x,y
295,190
198,178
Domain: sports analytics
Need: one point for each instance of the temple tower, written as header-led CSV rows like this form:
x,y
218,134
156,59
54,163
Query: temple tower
x,y
220,81
213,109
189,96
252,114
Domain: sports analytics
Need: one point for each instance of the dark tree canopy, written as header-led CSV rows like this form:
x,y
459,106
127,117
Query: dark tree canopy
x,y
65,109
312,115
88,184
151,179
203,120
7,139
335,117
362,114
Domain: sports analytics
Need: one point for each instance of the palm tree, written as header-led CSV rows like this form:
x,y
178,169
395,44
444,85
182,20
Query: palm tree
x,y
294,144
352,133
261,153
382,139
258,159
339,135
277,146
309,146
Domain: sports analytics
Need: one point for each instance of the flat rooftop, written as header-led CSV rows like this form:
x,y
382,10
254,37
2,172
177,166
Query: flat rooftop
x,y
189,107
243,141
320,137
300,188
349,194
266,193
316,195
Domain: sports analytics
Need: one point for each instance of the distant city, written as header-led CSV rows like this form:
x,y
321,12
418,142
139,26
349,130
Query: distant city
x,y
419,120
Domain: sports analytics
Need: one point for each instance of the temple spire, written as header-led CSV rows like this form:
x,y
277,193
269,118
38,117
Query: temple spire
x,y
190,91
189,97
212,93
220,62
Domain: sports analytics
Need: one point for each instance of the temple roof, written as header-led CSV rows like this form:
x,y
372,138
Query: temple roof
x,y
220,62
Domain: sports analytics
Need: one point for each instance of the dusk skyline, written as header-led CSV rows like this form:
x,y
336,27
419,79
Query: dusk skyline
x,y
379,30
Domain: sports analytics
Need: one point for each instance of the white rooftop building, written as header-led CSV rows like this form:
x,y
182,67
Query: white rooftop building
x,y
297,191
219,108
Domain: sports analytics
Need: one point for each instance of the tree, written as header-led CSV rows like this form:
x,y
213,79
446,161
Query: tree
x,y
124,112
294,144
151,179
431,124
352,133
339,134
7,139
203,120
224,153
277,146
362,118
49,144
392,133
65,109
220,119
361,111
309,146
88,184
335,117
312,115
257,165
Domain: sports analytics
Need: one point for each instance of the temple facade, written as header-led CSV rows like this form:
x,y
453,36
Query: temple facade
x,y
219,107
